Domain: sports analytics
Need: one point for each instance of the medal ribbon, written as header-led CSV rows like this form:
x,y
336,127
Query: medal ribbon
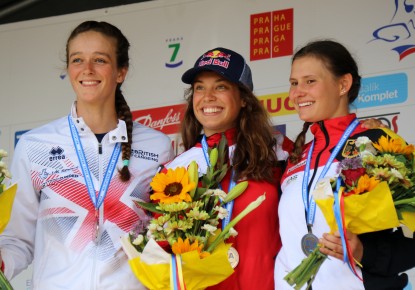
x,y
176,273
95,199
338,208
309,203
229,205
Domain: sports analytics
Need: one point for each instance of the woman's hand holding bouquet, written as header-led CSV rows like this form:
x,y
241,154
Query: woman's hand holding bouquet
x,y
374,191
181,246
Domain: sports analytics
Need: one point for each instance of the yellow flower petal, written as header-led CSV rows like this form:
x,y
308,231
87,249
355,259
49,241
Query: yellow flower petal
x,y
181,247
172,186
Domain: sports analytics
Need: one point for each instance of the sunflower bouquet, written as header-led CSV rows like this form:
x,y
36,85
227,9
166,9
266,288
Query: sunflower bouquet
x,y
374,191
181,246
6,201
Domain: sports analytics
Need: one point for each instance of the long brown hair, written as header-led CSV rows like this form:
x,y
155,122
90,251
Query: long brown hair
x,y
254,156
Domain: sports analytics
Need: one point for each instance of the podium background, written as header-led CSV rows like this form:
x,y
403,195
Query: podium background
x,y
167,37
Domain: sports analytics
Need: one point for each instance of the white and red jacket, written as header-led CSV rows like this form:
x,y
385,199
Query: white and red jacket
x,y
53,222
333,274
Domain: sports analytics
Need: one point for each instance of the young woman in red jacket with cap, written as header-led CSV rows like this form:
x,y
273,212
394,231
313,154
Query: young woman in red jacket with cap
x,y
221,101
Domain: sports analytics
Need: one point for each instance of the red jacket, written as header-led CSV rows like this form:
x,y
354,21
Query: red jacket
x,y
258,240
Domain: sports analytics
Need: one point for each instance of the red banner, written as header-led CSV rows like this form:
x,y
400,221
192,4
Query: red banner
x,y
165,119
272,34
282,32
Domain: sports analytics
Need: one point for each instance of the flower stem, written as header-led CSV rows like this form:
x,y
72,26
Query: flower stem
x,y
404,201
307,270
253,205
4,283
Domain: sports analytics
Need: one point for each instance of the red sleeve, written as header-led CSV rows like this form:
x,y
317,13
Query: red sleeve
x,y
287,144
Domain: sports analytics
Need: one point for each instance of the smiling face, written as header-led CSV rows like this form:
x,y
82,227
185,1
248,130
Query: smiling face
x,y
92,67
216,102
315,92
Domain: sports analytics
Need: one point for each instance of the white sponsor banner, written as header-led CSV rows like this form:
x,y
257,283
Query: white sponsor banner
x,y
168,36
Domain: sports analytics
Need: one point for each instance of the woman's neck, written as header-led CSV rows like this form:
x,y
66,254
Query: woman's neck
x,y
100,119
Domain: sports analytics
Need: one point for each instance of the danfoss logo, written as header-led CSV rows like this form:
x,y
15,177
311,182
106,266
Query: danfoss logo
x,y
165,119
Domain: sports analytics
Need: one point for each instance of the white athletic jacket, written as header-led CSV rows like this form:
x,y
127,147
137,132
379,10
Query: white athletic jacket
x,y
54,222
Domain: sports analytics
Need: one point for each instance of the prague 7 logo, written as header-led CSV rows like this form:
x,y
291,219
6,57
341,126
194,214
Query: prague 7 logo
x,y
174,45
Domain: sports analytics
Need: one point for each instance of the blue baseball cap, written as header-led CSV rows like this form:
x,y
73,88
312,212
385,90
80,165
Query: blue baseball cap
x,y
225,62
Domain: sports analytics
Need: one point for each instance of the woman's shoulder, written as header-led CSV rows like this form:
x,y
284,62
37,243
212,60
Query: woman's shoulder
x,y
42,132
376,134
144,132
184,159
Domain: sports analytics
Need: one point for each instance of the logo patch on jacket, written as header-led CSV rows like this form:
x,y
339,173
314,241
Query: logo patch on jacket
x,y
57,153
349,149
144,155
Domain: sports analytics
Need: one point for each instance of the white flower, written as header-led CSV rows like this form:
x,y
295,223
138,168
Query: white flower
x,y
215,192
364,144
138,240
213,222
362,141
323,189
211,229
6,173
150,235
396,173
3,153
368,152
222,212
154,228
233,232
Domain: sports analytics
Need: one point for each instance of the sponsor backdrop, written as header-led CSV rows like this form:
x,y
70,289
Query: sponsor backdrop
x,y
167,37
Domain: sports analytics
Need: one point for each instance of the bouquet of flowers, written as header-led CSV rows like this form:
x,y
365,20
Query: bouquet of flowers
x,y
6,202
374,191
181,246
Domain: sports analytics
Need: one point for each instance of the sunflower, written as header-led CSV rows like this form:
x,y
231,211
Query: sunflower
x,y
172,186
365,184
181,247
396,146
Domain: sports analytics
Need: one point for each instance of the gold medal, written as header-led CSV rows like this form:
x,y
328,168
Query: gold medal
x,y
233,257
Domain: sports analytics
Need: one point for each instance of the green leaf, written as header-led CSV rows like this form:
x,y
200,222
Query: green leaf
x,y
149,206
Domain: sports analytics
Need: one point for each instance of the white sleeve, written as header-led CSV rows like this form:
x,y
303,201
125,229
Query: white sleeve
x,y
280,150
17,240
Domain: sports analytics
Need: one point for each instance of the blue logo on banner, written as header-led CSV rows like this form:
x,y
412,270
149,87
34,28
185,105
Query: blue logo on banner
x,y
399,30
382,90
17,136
280,128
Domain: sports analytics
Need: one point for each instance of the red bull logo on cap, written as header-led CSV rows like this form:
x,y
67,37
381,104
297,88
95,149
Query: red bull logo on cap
x,y
214,59
217,54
